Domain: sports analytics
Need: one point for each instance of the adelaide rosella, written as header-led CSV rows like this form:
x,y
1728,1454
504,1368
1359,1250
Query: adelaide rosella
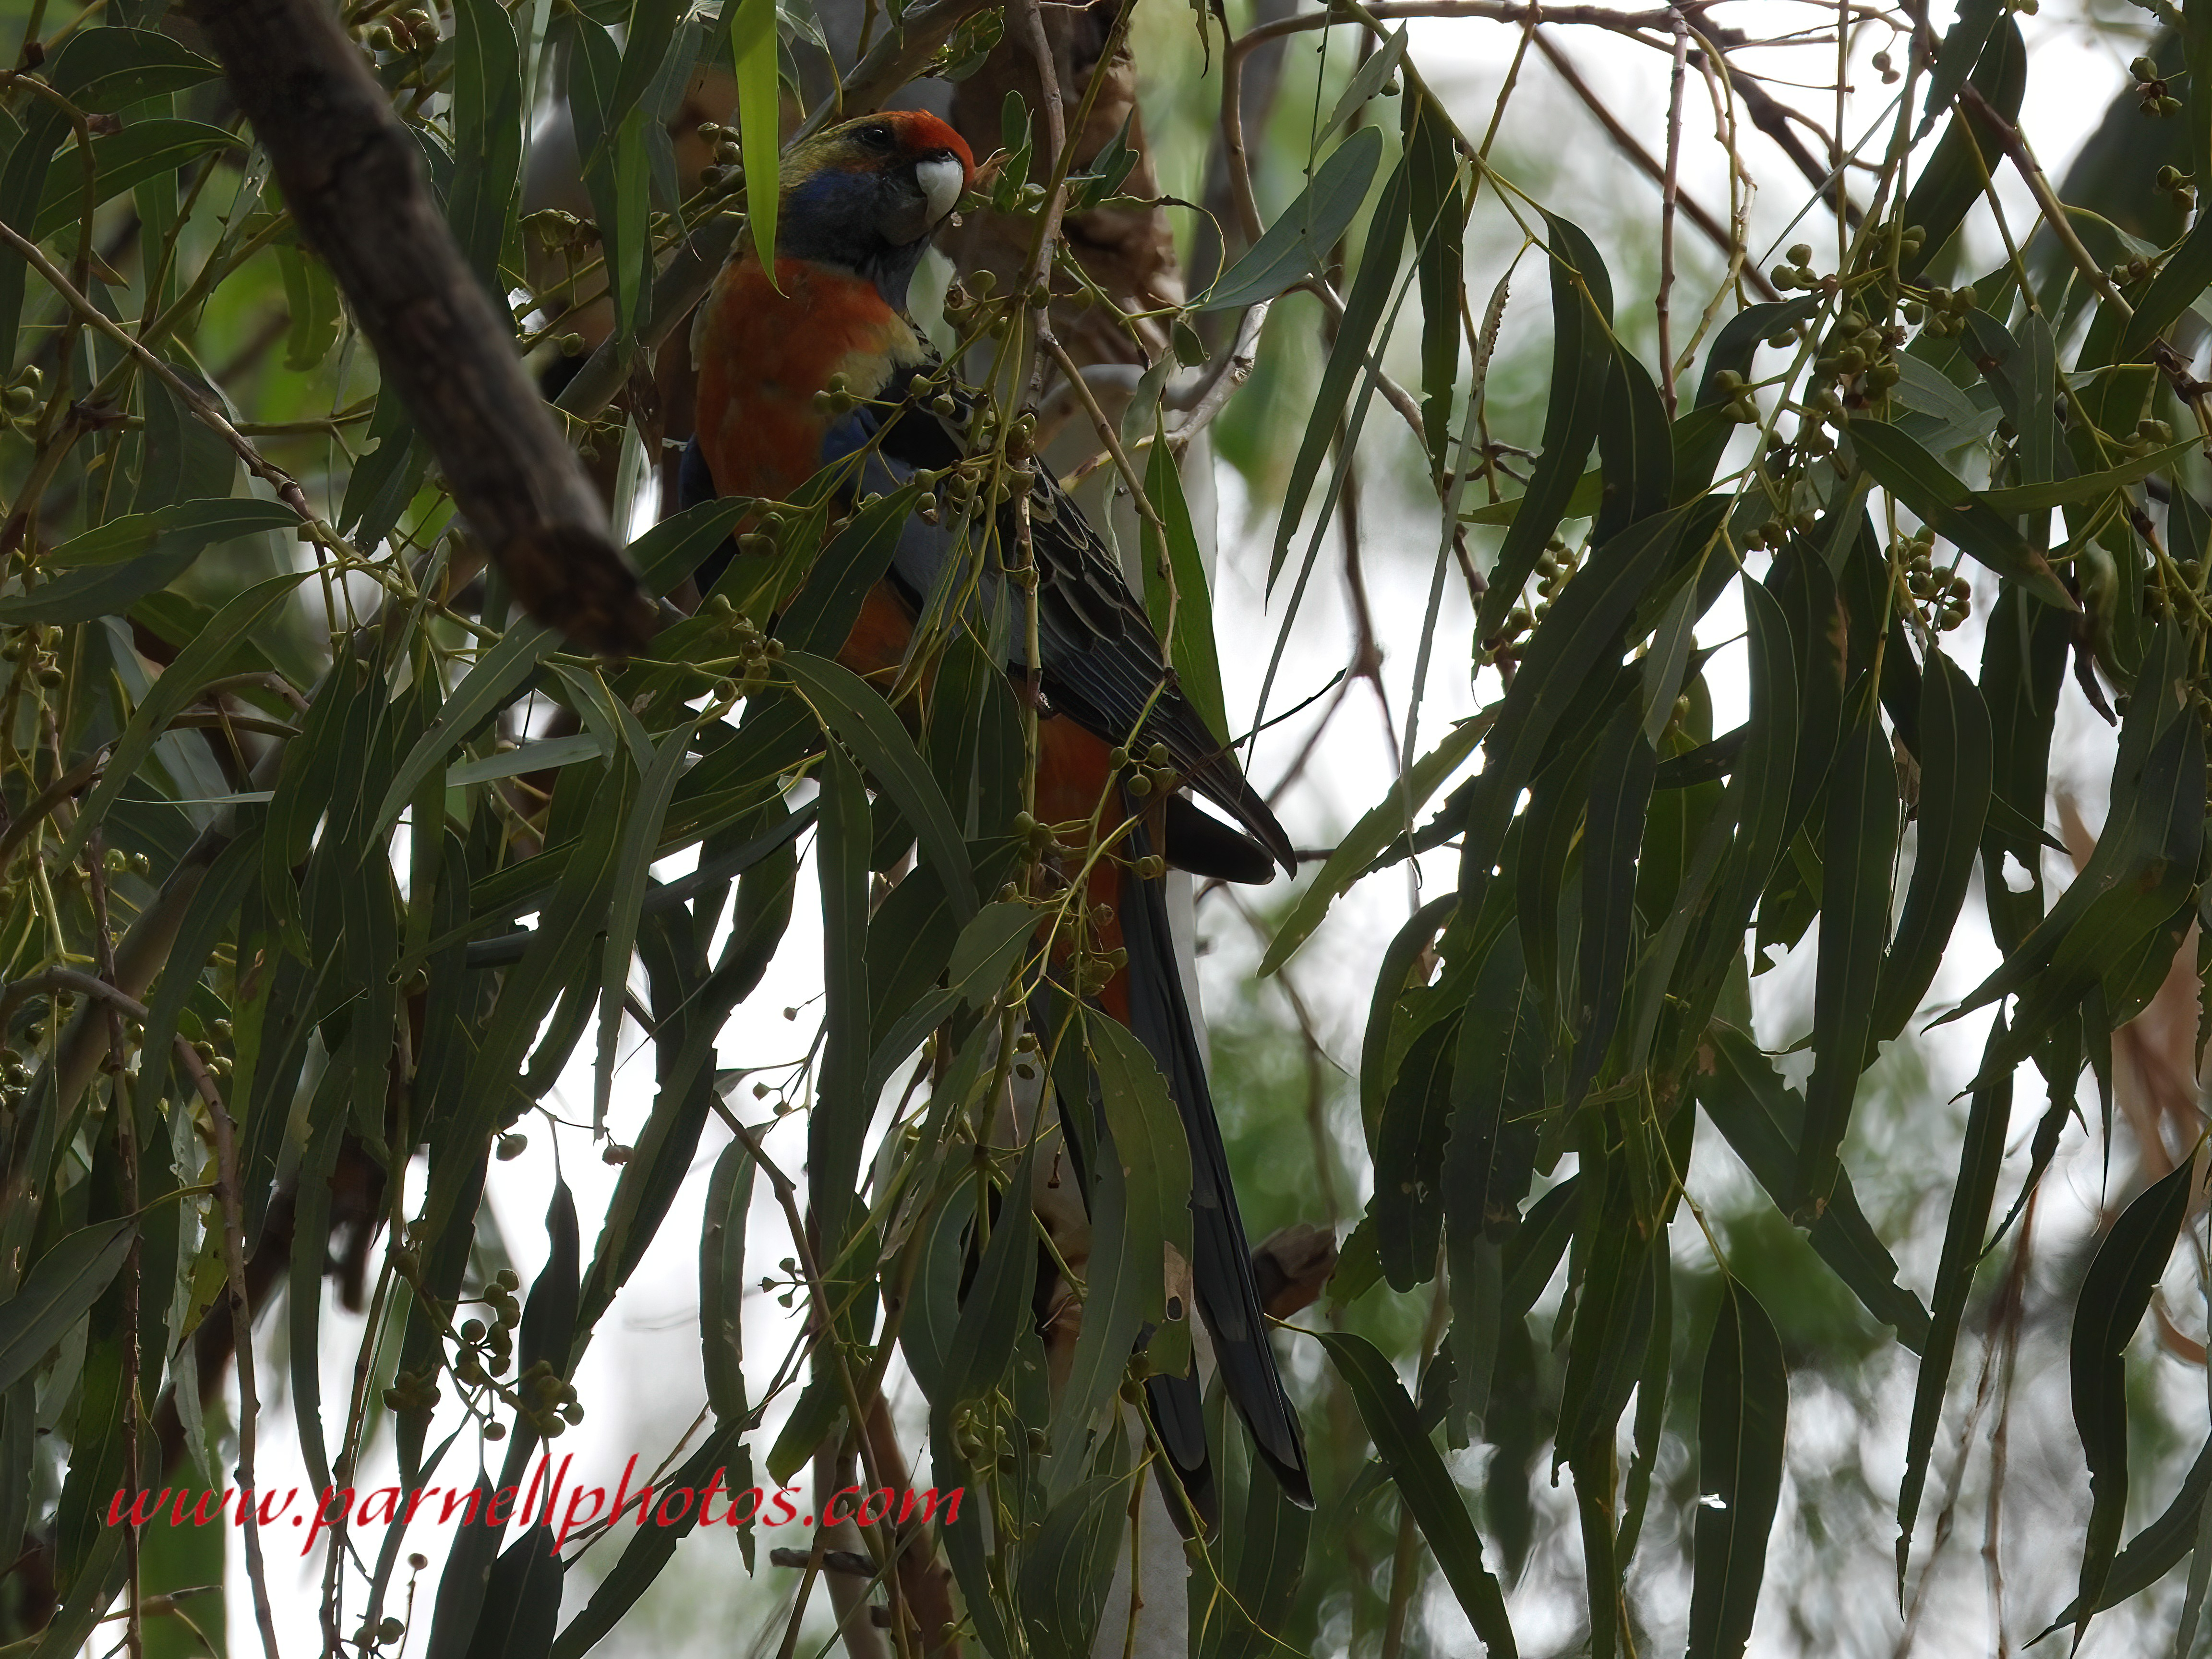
x,y
859,203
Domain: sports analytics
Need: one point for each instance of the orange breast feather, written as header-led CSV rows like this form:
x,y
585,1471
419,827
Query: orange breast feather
x,y
762,356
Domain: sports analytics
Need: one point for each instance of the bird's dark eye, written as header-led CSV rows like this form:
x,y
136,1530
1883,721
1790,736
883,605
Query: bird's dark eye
x,y
877,136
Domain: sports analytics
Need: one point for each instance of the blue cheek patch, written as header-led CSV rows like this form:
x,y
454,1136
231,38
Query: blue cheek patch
x,y
827,192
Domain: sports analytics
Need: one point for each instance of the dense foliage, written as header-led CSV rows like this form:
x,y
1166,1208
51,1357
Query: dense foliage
x,y
329,881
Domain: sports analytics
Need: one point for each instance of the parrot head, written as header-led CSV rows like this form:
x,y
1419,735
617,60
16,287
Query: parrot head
x,y
867,194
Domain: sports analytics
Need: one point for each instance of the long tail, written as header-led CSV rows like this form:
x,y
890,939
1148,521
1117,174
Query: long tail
x,y
1221,1265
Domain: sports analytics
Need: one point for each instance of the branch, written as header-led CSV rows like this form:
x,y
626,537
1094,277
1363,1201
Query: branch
x,y
242,1323
2016,147
1635,152
354,182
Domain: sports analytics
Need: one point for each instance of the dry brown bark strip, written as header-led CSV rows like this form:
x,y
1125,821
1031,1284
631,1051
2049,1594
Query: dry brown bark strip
x,y
354,183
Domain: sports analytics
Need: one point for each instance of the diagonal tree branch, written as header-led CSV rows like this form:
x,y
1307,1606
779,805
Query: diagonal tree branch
x,y
354,185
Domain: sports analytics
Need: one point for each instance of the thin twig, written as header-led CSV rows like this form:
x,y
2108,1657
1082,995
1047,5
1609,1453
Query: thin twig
x,y
2014,145
786,1197
1670,191
126,1148
1635,152
1229,372
241,1322
285,486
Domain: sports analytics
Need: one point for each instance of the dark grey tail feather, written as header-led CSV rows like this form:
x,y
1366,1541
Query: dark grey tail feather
x,y
1176,1406
1205,845
1221,1265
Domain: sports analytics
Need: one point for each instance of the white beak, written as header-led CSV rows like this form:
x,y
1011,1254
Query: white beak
x,y
940,181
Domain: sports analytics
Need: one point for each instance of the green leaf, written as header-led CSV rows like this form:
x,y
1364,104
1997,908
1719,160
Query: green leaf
x,y
994,939
838,1121
646,43
1440,205
121,162
1981,1155
521,1601
640,844
108,69
1953,511
311,293
60,1288
487,113
483,690
1367,839
1067,1567
2115,1293
1612,838
2180,280
821,617
1367,81
1962,47
651,1547
1761,1120
1581,501
1424,1484
548,1330
1856,856
1140,1206
760,117
993,1315
1581,639
1409,1152
2024,374
1741,1416
195,525
546,755
182,458
1635,447
179,684
2085,488
1300,241
1954,178
2153,1553
672,549
1581,364
1379,1054
1497,1084
820,1409
2144,864
1352,350
857,714
1956,766
1183,621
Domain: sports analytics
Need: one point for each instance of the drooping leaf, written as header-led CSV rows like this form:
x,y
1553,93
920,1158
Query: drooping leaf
x,y
760,115
1981,1155
1366,840
862,720
1956,766
1742,1418
1350,354
2114,1294
1299,242
1856,858
61,1286
838,1121
1762,1120
1953,511
1582,362
1182,618
487,116
1424,1484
